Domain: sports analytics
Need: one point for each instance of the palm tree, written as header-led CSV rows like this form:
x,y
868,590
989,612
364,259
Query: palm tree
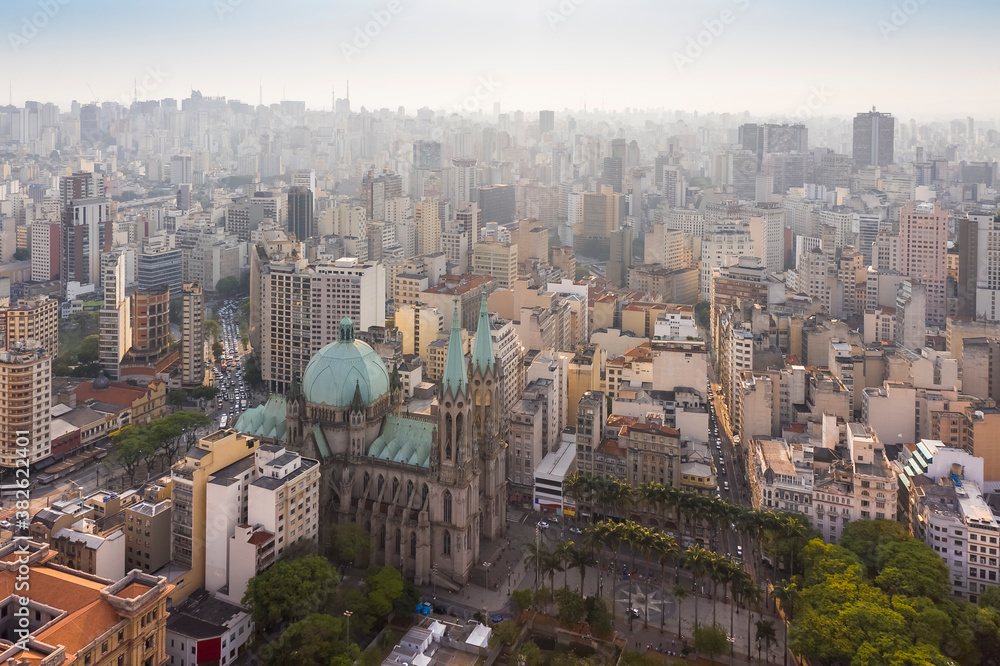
x,y
667,550
576,487
749,594
786,592
535,559
579,558
766,633
698,560
647,542
551,565
680,593
794,533
561,554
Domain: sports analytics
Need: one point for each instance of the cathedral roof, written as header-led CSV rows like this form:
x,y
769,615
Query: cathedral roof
x,y
404,440
483,357
267,420
344,368
455,378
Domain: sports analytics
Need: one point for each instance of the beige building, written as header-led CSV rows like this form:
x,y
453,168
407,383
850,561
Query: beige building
x,y
419,326
32,319
116,315
148,531
653,453
25,398
192,335
495,259
428,224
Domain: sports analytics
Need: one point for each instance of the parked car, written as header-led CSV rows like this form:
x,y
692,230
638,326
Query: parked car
x,y
544,525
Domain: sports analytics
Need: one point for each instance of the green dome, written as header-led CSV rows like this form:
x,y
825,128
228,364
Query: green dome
x,y
343,367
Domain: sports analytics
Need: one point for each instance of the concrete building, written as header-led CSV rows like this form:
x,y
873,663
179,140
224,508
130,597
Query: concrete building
x,y
207,629
116,316
97,621
160,266
498,260
653,453
45,257
781,478
32,319
192,335
590,417
84,221
874,136
419,326
923,244
148,532
26,389
427,220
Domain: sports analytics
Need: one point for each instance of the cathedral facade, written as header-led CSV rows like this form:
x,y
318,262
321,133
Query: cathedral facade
x,y
427,487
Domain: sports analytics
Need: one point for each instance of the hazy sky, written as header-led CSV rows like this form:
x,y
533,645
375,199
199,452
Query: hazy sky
x,y
922,58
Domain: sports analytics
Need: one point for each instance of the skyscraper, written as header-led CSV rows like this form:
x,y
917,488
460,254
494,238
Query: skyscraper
x,y
428,224
496,204
26,380
874,134
923,243
546,121
116,316
192,335
612,173
80,249
300,213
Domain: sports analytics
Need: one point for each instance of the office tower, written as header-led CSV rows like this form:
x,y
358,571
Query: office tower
x,y
596,216
80,248
181,170
621,256
269,206
193,335
300,213
911,315
306,179
32,320
743,174
772,138
979,266
427,154
25,382
377,190
496,204
464,179
834,171
496,259
772,218
428,226
116,316
90,123
923,244
874,134
160,266
80,185
150,324
546,121
611,173
590,417
44,251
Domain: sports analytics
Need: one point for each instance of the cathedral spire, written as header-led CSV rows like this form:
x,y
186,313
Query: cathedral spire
x,y
455,378
483,358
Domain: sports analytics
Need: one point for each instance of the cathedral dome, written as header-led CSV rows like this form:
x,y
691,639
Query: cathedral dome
x,y
343,367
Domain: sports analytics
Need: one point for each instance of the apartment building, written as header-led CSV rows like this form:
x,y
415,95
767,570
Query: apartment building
x,y
26,393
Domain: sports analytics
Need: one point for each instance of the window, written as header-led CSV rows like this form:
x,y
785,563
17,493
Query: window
x,y
447,506
447,543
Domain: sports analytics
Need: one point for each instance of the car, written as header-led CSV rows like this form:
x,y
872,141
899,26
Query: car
x,y
634,612
739,551
723,471
544,525
575,530
717,489
725,485
6,524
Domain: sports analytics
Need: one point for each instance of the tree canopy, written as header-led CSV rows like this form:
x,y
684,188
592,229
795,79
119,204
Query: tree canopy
x,y
290,590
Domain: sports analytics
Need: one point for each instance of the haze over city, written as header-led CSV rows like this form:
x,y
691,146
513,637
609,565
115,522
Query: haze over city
x,y
924,59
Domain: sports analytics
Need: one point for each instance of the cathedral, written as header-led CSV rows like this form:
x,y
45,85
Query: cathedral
x,y
427,486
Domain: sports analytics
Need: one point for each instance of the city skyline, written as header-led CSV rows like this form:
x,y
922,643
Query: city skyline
x,y
690,56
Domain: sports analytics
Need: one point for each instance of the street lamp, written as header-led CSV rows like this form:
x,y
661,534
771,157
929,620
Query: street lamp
x,y
434,583
348,615
508,581
487,565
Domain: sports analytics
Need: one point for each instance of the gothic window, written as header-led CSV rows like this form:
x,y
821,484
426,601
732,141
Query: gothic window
x,y
381,538
398,541
367,482
447,506
409,491
395,487
447,437
413,544
447,542
459,435
423,496
381,484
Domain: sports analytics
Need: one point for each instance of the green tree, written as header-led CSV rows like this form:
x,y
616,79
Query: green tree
x,y
531,654
212,329
89,350
290,590
711,640
384,587
177,398
507,632
228,287
130,448
766,636
910,567
217,350
572,607
864,537
349,543
205,392
520,600
598,616
990,598
680,593
313,641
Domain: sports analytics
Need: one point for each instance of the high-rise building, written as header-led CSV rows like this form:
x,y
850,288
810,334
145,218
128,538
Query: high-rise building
x,y
44,251
160,266
546,121
192,335
151,322
428,223
923,245
979,266
427,154
300,213
31,320
377,190
116,316
874,135
26,388
496,204
621,256
496,259
464,179
594,215
80,249
590,416
611,173
181,170
772,138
